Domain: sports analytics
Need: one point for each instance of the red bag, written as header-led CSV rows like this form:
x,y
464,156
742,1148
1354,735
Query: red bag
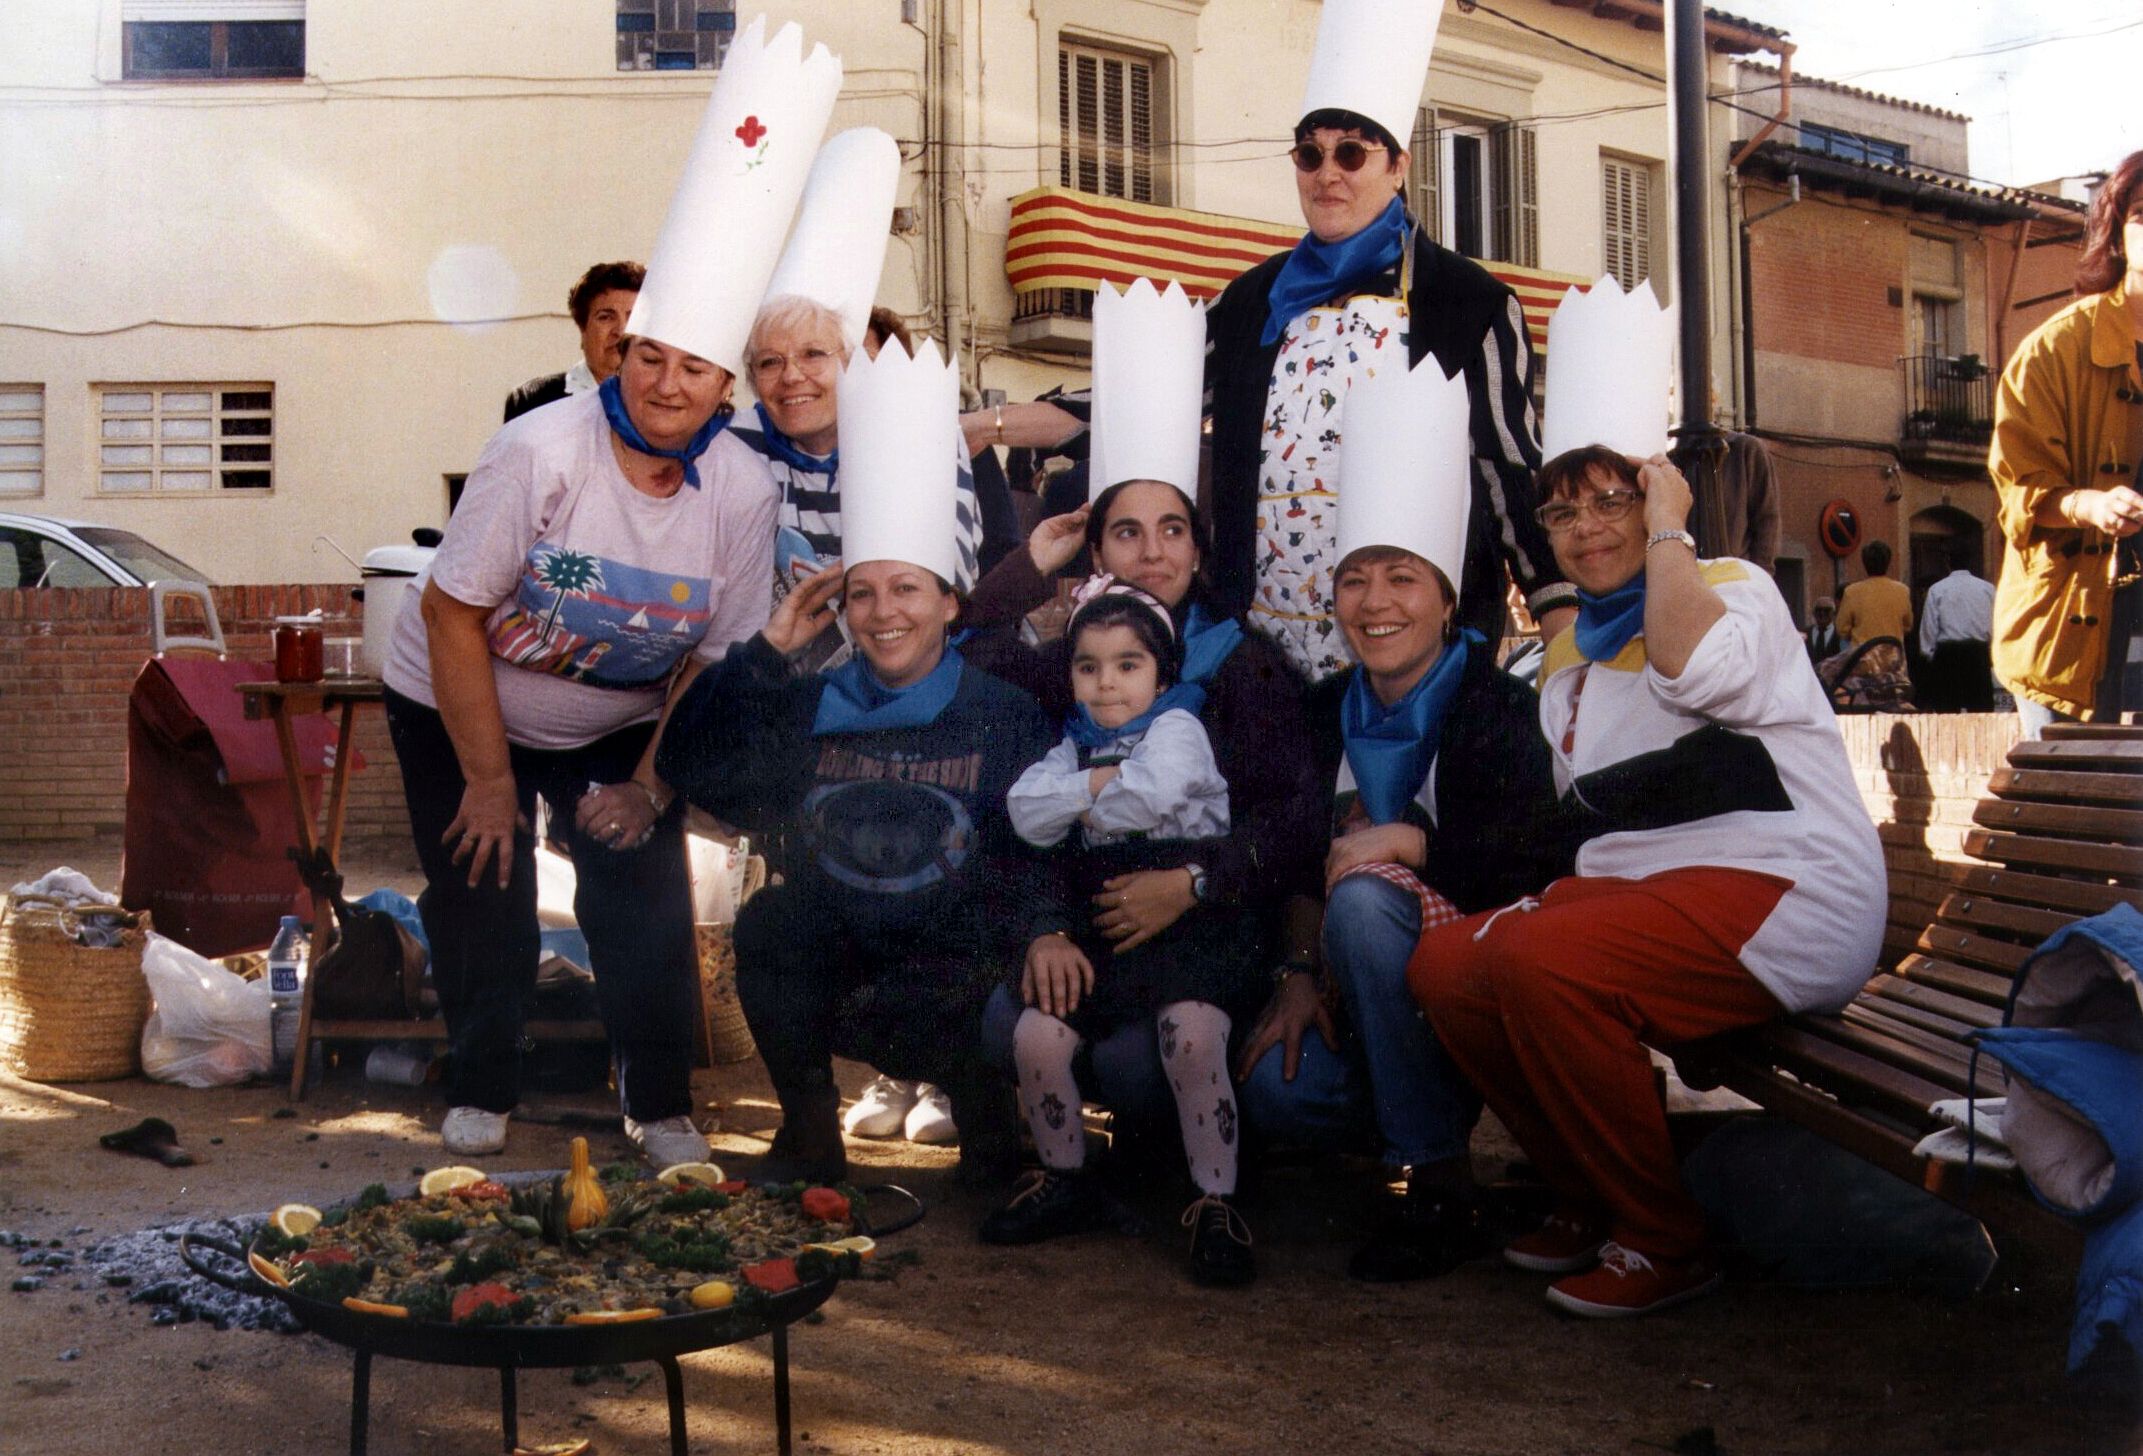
x,y
208,814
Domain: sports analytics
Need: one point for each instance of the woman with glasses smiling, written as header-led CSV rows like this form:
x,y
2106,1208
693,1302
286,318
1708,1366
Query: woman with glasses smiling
x,y
1365,289
1727,879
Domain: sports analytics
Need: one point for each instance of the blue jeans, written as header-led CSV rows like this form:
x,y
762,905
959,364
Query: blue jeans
x,y
1424,1108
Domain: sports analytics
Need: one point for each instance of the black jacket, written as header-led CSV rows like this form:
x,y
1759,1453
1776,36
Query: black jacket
x,y
545,389
1500,831
1471,321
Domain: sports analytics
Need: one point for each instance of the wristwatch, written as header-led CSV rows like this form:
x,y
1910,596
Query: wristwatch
x,y
1201,882
1682,536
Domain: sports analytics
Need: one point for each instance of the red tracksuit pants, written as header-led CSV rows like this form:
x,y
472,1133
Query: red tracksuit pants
x,y
1548,1013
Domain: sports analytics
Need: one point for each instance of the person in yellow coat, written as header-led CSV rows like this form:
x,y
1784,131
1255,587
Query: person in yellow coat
x,y
2068,435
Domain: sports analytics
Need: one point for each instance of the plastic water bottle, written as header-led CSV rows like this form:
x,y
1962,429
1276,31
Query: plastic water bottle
x,y
286,991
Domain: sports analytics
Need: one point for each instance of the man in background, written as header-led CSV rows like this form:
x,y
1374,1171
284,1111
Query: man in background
x,y
1877,606
600,303
1956,623
1823,639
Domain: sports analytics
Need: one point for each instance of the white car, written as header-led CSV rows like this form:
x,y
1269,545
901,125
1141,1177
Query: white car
x,y
49,551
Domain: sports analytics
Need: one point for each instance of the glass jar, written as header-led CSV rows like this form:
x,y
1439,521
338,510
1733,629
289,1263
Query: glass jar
x,y
300,647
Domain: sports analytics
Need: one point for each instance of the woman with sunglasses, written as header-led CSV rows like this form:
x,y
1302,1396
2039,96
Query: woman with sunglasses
x,y
1725,880
1364,289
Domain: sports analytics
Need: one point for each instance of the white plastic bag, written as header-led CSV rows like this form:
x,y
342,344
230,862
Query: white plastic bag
x,y
207,1027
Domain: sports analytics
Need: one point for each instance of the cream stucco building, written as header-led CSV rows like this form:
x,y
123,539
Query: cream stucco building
x,y
269,267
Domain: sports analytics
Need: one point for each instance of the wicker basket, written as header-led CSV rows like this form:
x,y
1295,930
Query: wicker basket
x,y
69,1013
730,1038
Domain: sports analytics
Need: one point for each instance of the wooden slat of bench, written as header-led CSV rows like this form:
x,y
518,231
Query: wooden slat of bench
x,y
2097,755
1844,1071
2061,786
2111,860
1968,948
1957,1011
1981,986
2080,897
2093,732
1985,913
1856,1029
2116,826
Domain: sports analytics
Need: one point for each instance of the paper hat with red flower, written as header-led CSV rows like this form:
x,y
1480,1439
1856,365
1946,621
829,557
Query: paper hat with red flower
x,y
1613,356
1372,58
899,421
733,206
838,249
1149,372
1406,474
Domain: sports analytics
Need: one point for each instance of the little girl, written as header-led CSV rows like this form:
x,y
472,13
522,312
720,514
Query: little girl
x,y
1134,786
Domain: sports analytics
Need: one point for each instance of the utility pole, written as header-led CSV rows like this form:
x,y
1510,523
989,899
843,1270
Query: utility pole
x,y
1699,447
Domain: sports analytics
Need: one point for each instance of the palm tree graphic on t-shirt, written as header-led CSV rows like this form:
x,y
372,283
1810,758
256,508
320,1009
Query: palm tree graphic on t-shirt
x,y
567,574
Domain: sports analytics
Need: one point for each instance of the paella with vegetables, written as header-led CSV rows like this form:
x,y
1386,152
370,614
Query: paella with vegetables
x,y
580,1248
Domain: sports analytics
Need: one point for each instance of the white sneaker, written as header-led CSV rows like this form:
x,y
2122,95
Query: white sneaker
x,y
881,1110
671,1140
930,1120
473,1132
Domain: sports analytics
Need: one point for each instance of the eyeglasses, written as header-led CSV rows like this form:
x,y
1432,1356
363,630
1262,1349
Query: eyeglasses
x,y
1349,153
1606,505
813,360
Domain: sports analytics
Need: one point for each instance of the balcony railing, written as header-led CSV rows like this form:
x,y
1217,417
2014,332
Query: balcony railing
x,y
1949,401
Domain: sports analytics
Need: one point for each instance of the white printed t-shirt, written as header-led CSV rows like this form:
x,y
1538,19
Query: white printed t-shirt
x,y
597,591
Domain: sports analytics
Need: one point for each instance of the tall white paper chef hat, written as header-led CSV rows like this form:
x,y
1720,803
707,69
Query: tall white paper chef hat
x,y
1149,373
1372,57
899,420
1405,476
1610,362
738,194
838,249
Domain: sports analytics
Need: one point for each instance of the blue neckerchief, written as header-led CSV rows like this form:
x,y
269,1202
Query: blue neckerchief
x,y
1390,749
1081,728
1316,271
621,422
1606,624
856,702
1206,644
784,449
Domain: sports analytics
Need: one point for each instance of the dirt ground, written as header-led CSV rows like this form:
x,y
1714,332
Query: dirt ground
x,y
1096,1345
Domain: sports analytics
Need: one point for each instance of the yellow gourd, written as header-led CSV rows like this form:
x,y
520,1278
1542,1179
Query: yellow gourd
x,y
586,1204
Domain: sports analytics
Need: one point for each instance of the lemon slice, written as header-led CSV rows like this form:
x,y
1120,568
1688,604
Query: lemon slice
x,y
446,1180
269,1270
861,1245
705,1174
366,1306
295,1220
714,1294
612,1316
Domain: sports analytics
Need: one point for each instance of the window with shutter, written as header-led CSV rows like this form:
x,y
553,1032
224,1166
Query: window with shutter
x,y
1626,221
1514,194
1424,180
1105,119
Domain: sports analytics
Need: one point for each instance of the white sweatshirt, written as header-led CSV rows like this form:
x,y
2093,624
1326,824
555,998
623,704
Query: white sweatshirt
x,y
1167,786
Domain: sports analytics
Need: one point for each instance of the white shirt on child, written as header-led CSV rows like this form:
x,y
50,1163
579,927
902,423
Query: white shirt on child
x,y
1167,786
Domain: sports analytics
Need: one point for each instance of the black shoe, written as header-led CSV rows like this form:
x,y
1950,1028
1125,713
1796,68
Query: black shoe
x,y
1434,1230
1220,1243
1048,1204
809,1145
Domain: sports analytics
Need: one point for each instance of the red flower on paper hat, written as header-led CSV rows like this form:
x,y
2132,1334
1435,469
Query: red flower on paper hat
x,y
751,131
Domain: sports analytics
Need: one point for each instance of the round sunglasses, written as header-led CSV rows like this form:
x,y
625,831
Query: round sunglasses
x,y
1348,152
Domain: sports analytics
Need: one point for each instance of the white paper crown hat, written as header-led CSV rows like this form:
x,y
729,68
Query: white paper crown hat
x,y
1149,373
1611,363
1405,474
899,420
838,249
738,194
1372,57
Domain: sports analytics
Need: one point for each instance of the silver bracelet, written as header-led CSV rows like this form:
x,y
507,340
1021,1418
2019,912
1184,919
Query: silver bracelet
x,y
1682,536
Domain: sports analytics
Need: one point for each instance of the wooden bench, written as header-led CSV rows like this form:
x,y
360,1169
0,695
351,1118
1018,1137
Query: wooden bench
x,y
2059,837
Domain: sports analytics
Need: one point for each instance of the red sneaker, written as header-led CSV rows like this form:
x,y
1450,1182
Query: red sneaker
x,y
1628,1283
1565,1244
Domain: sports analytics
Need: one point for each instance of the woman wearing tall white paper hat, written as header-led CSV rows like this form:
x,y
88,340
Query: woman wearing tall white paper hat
x,y
880,788
1142,527
1726,875
1441,803
607,549
1364,290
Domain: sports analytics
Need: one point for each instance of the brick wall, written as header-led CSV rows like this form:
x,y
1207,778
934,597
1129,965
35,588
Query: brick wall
x,y
67,661
1820,274
1921,776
